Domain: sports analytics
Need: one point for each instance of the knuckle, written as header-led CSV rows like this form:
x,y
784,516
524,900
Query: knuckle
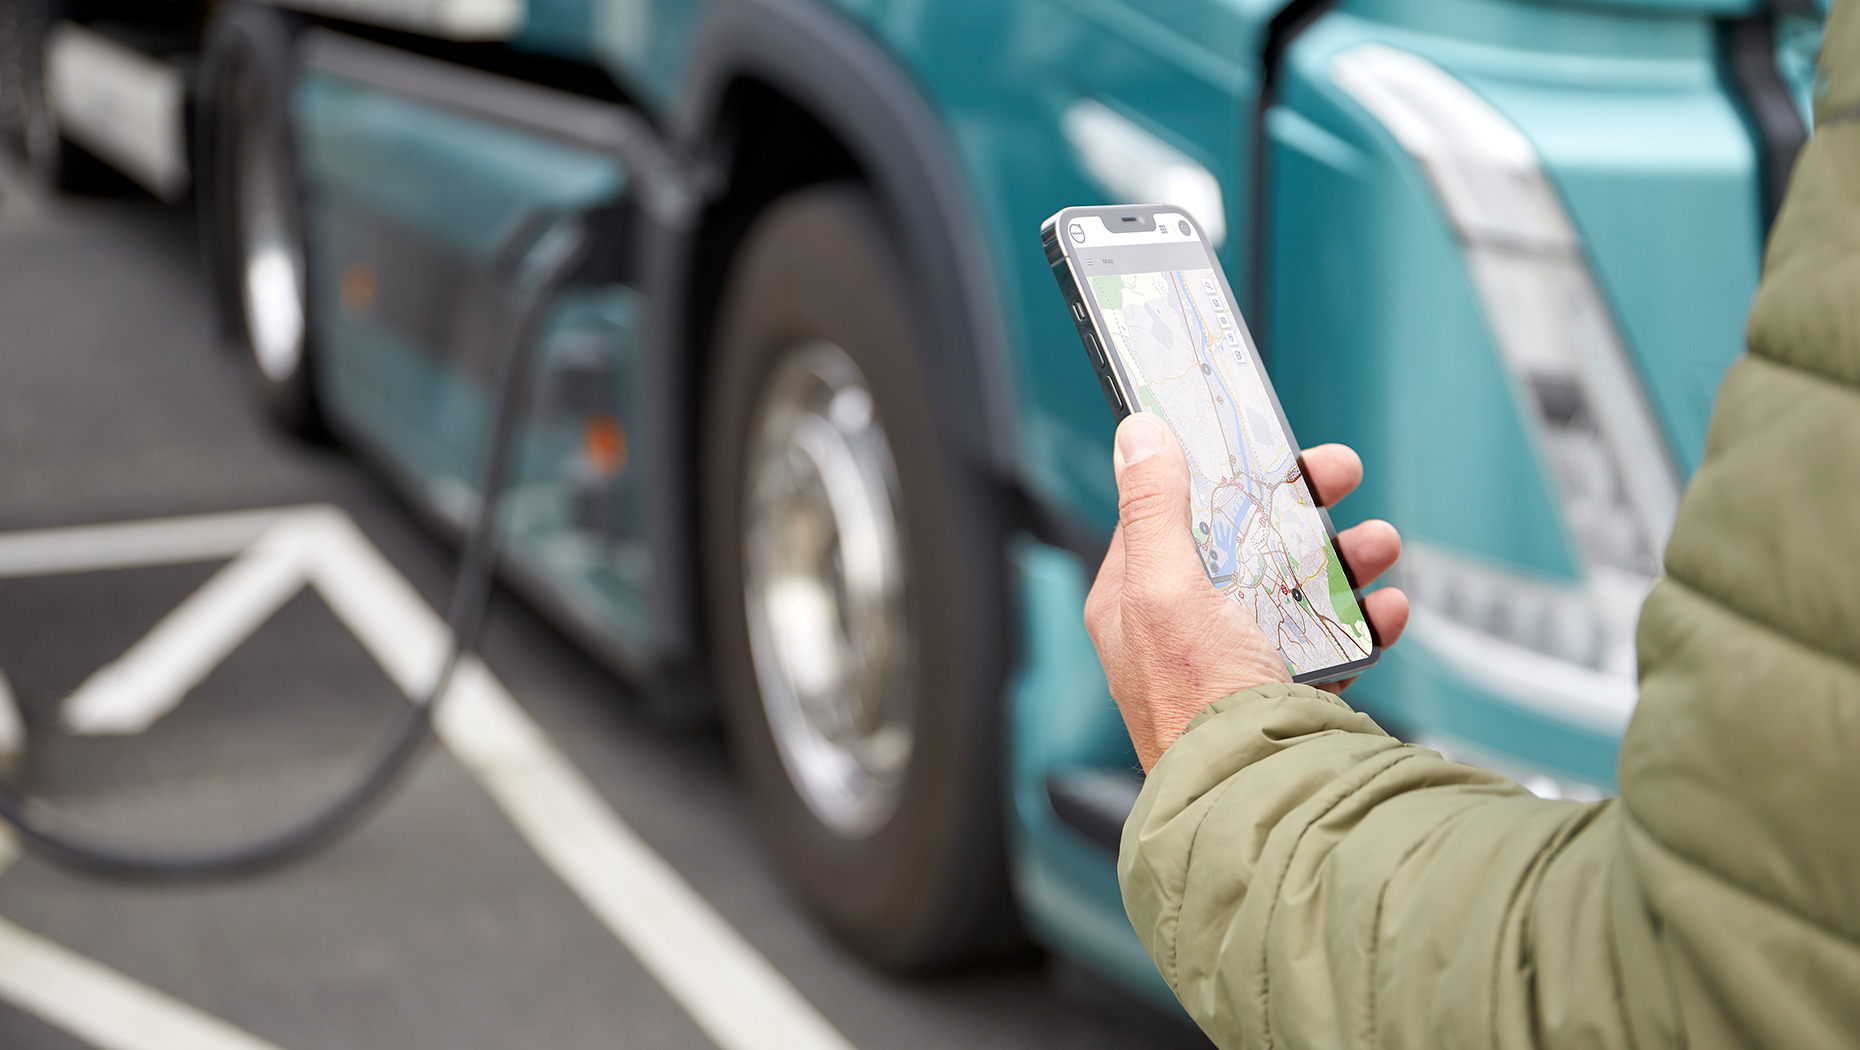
x,y
1146,501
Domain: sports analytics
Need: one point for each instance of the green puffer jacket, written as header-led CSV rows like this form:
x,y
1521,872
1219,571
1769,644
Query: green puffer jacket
x,y
1304,880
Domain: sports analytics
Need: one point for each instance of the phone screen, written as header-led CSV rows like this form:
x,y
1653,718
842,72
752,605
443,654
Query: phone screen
x,y
1182,352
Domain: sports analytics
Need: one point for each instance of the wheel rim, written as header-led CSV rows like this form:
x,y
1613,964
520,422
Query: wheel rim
x,y
271,255
824,585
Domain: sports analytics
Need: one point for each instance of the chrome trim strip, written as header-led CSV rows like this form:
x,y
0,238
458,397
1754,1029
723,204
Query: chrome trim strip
x,y
448,19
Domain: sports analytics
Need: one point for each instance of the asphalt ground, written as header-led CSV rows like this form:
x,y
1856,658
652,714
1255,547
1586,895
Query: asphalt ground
x,y
437,924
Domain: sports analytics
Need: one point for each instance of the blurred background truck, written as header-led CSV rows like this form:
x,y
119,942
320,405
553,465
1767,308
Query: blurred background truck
x,y
809,443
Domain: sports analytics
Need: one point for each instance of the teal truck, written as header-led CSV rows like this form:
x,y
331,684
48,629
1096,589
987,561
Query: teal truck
x,y
809,442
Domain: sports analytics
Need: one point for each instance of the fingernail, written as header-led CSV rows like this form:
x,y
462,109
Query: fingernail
x,y
1139,438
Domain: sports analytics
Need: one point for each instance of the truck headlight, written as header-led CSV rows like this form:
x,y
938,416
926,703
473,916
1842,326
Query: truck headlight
x,y
1566,650
1604,454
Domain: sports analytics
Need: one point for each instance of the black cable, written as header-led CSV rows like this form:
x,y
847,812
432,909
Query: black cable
x,y
546,265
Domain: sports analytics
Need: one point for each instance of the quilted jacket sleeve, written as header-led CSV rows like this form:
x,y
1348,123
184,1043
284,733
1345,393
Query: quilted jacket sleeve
x,y
1304,880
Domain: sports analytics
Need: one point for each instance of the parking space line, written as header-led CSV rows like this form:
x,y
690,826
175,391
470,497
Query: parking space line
x,y
131,545
97,1004
729,988
89,1000
101,1006
129,693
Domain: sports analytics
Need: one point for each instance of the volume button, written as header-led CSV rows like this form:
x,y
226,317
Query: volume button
x,y
1112,396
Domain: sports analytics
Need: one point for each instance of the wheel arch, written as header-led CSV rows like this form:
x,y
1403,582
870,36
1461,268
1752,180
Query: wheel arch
x,y
795,74
803,62
797,69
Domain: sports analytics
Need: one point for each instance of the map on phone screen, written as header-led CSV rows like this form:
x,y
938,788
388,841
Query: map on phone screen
x,y
1254,518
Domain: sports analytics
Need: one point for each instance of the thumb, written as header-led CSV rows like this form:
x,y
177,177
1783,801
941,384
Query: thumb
x,y
1152,504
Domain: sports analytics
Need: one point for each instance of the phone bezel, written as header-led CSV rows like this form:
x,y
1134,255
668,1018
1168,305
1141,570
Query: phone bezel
x,y
1061,256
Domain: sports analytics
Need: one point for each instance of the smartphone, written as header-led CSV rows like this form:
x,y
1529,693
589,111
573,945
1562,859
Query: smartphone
x,y
1164,334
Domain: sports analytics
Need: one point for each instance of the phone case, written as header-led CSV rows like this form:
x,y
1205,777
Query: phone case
x,y
1119,396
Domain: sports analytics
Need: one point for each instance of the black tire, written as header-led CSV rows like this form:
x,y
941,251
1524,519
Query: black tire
x,y
250,201
926,888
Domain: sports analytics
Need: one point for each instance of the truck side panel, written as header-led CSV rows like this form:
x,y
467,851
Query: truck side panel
x,y
420,217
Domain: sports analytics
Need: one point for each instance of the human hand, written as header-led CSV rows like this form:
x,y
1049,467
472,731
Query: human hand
x,y
1170,643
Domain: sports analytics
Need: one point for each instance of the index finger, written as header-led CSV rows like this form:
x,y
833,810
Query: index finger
x,y
1334,472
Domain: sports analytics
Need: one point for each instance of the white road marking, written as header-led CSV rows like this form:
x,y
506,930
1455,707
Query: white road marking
x,y
95,1003
728,987
132,545
405,636
101,1006
739,999
129,693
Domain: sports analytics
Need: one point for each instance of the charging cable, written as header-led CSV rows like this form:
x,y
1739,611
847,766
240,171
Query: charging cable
x,y
546,264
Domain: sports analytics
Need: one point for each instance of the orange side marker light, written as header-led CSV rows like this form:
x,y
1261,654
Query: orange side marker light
x,y
603,440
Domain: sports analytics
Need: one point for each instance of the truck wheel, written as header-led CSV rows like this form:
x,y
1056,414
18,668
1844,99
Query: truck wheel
x,y
251,207
852,569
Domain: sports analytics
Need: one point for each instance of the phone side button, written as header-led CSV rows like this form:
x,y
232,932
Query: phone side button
x,y
1078,311
1091,347
1111,395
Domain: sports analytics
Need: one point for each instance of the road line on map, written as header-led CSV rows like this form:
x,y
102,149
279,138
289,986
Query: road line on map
x,y
129,693
133,544
728,987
